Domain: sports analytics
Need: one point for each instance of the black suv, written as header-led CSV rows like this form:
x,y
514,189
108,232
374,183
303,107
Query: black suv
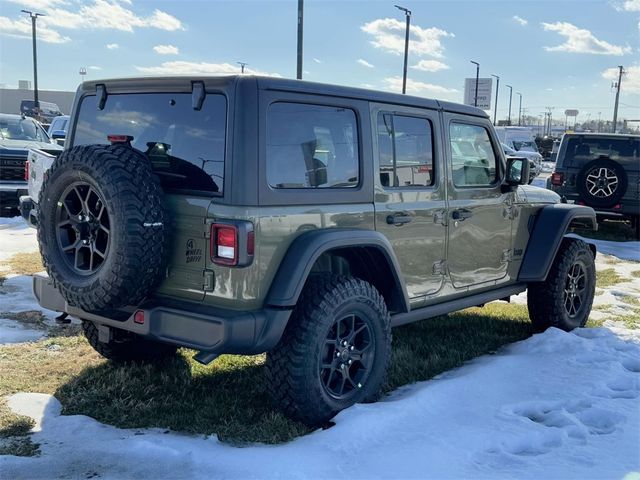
x,y
601,171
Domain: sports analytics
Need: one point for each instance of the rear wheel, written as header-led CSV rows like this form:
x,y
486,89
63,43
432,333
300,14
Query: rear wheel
x,y
334,352
564,300
126,346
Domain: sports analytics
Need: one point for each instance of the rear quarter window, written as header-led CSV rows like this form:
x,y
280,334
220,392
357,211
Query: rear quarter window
x,y
186,147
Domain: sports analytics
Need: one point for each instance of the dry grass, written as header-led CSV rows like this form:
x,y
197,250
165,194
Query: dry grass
x,y
24,264
607,278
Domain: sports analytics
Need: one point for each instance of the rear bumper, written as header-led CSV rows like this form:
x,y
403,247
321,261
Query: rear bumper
x,y
202,328
10,192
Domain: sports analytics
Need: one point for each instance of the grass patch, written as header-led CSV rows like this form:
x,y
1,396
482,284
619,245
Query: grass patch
x,y
25,263
20,447
607,278
635,274
614,230
229,396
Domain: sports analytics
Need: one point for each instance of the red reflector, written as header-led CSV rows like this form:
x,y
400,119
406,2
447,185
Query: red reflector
x,y
557,179
119,138
251,243
581,202
617,206
138,317
26,170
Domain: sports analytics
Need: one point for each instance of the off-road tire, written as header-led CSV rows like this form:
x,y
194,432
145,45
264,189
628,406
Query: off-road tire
x,y
583,186
546,300
294,378
126,346
137,243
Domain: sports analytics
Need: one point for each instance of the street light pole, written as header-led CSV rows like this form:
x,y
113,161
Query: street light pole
x,y
495,107
407,14
300,32
34,16
615,107
519,110
242,65
510,97
475,98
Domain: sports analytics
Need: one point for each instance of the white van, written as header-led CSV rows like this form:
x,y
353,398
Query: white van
x,y
518,138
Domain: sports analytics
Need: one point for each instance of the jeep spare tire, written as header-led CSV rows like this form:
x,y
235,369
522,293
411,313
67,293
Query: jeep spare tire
x,y
602,183
102,226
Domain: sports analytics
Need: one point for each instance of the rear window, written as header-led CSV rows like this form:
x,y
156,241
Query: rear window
x,y
186,146
584,149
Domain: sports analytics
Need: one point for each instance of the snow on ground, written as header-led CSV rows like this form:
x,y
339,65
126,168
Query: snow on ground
x,y
558,405
16,237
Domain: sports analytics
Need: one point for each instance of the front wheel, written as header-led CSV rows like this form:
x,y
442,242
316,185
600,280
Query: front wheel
x,y
564,300
334,352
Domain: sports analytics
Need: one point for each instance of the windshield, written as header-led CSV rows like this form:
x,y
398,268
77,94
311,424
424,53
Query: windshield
x,y
185,146
23,129
526,145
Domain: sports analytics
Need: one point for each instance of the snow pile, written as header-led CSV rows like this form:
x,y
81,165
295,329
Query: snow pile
x,y
622,250
16,237
558,405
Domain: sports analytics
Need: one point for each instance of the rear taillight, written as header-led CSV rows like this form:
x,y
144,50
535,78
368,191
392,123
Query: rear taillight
x,y
557,179
232,243
26,170
120,139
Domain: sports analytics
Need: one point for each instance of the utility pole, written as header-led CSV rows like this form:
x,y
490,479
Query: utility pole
x,y
407,14
599,121
519,110
242,65
510,97
300,25
34,16
615,108
82,72
495,107
475,98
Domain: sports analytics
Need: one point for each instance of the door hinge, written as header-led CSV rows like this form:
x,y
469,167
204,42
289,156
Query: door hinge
x,y
209,281
440,267
440,216
507,255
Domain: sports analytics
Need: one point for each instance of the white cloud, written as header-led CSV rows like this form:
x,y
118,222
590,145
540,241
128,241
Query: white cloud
x,y
180,67
166,50
580,40
113,46
39,5
389,33
21,28
627,6
630,80
430,66
364,63
394,84
94,67
518,19
367,85
317,60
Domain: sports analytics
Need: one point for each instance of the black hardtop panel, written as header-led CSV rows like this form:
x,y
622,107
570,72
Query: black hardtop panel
x,y
159,84
300,86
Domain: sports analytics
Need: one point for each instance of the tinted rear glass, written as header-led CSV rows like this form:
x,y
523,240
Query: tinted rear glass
x,y
584,149
185,146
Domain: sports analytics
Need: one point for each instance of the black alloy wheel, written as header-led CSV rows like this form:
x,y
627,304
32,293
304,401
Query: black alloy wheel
x,y
83,228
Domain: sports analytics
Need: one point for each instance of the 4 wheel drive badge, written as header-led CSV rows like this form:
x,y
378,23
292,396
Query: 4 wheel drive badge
x,y
192,254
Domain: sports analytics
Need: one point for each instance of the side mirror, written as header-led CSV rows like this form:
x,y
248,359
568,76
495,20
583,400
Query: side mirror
x,y
517,171
56,134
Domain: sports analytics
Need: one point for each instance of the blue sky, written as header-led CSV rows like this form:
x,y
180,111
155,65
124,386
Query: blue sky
x,y
556,53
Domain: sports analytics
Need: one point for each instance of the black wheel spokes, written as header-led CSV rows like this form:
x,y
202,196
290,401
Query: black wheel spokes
x,y
347,358
575,289
83,228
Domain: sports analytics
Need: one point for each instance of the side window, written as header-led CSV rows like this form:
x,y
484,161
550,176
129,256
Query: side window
x,y
405,147
311,146
474,163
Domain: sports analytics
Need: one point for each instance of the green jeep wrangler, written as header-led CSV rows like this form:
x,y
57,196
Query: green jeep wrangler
x,y
242,215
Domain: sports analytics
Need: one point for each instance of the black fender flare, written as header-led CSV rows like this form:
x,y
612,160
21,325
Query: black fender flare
x,y
550,227
307,248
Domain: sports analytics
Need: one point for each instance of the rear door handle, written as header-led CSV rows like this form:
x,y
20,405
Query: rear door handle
x,y
461,214
399,219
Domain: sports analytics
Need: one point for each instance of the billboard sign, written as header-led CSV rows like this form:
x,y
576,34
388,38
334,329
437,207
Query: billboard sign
x,y
571,113
484,92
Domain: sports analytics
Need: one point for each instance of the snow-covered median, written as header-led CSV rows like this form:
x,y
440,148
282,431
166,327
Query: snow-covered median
x,y
16,237
558,405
